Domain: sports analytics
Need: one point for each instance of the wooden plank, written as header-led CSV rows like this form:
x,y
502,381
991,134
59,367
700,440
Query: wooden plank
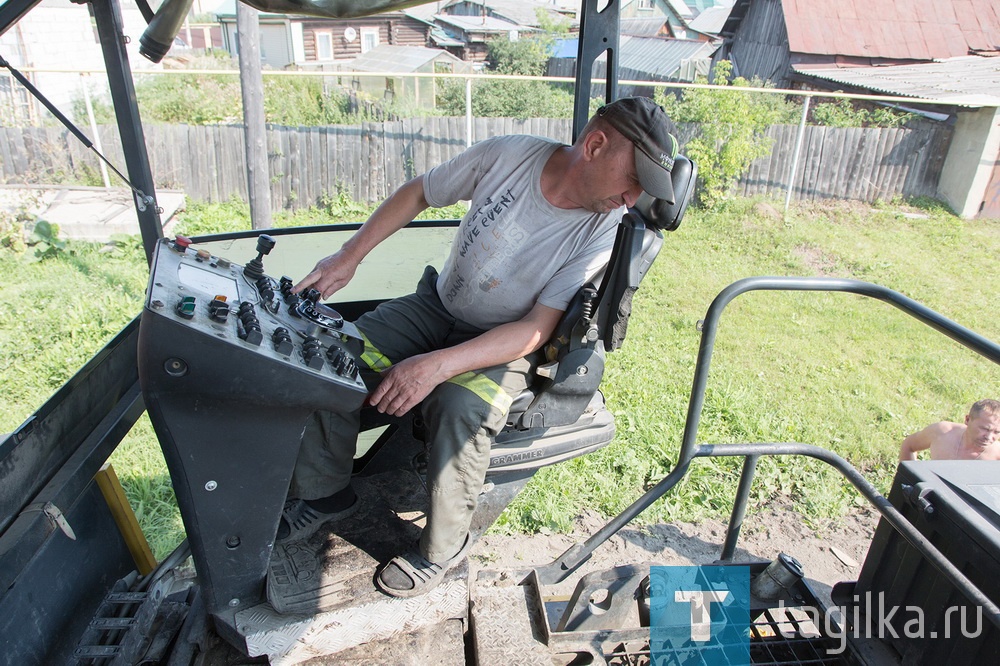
x,y
916,184
778,167
753,181
341,173
195,174
390,161
835,162
894,151
314,175
364,164
780,176
849,147
217,163
406,149
328,159
910,143
434,145
180,156
376,187
274,163
877,181
420,143
294,167
855,146
912,183
816,138
870,157
238,170
917,142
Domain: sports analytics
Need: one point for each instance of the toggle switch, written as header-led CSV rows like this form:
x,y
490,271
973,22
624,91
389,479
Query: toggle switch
x,y
186,307
282,341
218,309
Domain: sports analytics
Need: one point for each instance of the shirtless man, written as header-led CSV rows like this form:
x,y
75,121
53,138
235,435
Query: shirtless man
x,y
977,439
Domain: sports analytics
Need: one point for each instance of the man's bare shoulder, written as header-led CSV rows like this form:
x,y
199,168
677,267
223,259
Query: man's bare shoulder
x,y
943,428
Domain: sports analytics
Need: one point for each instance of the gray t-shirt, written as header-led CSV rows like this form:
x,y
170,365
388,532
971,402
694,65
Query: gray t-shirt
x,y
513,248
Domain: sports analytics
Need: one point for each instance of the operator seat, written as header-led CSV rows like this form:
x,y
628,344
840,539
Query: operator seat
x,y
562,415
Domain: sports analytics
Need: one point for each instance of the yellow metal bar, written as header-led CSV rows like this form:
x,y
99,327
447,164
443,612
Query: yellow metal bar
x,y
124,517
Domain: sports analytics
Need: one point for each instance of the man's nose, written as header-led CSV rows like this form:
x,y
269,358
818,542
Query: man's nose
x,y
632,195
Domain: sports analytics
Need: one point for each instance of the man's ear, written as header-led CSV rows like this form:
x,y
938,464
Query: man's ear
x,y
595,143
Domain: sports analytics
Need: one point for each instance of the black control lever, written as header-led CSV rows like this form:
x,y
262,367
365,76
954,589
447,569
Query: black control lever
x,y
254,269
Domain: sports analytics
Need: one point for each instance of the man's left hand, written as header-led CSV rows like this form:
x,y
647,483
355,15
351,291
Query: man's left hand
x,y
406,384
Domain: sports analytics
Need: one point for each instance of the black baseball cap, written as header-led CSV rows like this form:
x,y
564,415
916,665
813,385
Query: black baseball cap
x,y
644,122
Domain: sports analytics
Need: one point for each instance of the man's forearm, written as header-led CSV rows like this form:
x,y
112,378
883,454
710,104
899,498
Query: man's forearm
x,y
411,380
502,344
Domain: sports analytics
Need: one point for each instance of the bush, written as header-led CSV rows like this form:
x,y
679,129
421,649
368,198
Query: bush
x,y
731,129
506,99
845,113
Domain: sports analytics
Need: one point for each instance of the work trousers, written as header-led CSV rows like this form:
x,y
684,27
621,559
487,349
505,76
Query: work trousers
x,y
461,416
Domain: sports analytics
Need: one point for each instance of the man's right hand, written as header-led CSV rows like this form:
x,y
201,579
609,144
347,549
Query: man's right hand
x,y
330,275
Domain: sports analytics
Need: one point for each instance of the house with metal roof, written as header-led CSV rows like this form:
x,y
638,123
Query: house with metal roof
x,y
653,59
520,12
641,59
388,59
946,52
471,34
313,42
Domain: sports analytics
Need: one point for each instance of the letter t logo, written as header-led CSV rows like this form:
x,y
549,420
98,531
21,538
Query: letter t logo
x,y
701,610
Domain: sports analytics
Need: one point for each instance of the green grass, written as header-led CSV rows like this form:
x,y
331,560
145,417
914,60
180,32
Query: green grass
x,y
836,370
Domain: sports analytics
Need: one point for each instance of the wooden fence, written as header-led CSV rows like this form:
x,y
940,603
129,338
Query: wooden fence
x,y
370,160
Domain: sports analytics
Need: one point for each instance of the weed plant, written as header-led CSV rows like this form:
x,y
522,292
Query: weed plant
x,y
836,370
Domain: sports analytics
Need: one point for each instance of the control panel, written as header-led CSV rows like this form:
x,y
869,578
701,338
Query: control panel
x,y
251,311
231,365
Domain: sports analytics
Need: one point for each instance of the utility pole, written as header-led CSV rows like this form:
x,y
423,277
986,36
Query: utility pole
x,y
255,137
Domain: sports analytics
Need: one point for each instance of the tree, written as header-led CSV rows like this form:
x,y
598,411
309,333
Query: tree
x,y
731,128
527,56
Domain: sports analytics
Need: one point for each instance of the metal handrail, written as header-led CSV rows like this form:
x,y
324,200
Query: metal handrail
x,y
577,554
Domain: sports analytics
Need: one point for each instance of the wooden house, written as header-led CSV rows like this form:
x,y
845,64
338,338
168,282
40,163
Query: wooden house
x,y
941,50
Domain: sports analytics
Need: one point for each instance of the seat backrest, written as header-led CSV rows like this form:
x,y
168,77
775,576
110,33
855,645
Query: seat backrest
x,y
596,321
640,238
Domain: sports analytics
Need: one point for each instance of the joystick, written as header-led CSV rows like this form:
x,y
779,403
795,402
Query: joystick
x,y
254,269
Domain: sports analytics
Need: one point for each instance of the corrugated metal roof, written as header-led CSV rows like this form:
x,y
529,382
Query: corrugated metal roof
x,y
711,20
660,58
396,58
680,8
966,81
893,29
522,12
480,23
642,27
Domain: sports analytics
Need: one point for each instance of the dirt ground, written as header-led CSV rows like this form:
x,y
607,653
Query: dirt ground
x,y
834,552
